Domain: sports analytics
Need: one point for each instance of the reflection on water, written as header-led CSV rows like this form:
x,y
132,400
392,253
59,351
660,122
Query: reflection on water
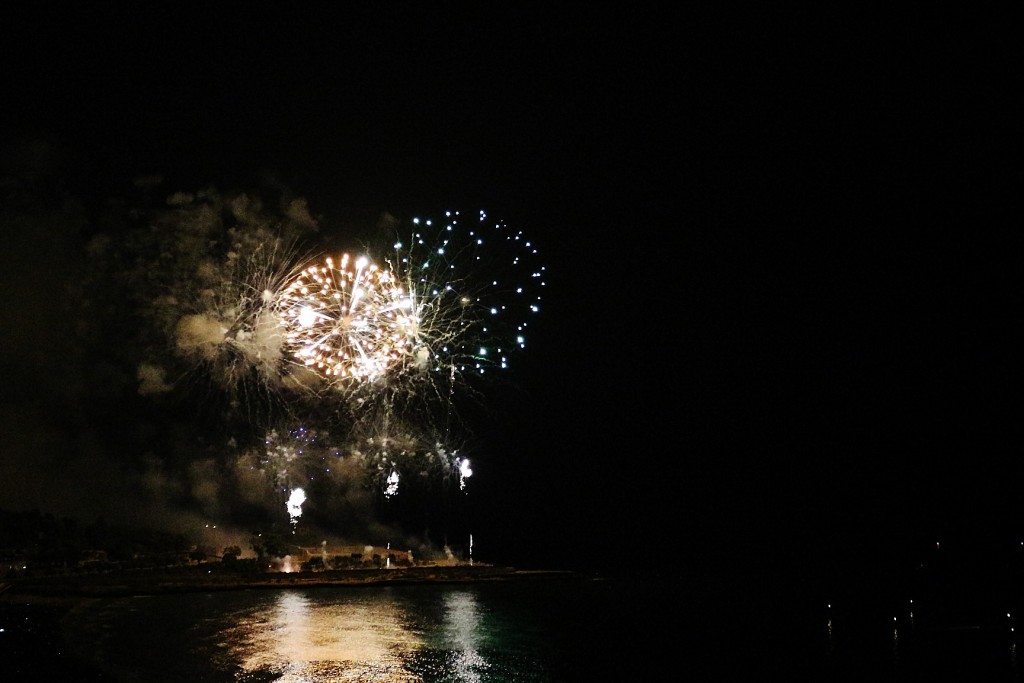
x,y
462,625
544,632
931,640
361,637
297,637
530,633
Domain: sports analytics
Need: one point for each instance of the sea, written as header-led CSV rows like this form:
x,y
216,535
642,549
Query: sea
x,y
550,630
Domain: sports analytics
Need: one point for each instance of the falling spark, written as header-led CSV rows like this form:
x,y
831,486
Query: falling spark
x,y
464,472
392,484
295,501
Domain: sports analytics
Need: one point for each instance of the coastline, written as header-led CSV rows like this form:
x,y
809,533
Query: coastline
x,y
156,582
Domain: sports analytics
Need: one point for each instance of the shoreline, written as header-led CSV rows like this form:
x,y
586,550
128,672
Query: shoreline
x,y
195,580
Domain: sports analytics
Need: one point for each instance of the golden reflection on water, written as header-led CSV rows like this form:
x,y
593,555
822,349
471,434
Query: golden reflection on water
x,y
463,630
300,639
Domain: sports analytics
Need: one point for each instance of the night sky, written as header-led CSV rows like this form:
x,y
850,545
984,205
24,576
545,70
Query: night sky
x,y
780,316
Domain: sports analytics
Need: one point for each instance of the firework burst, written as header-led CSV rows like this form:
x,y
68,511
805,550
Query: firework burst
x,y
346,320
452,303
393,338
473,286
376,349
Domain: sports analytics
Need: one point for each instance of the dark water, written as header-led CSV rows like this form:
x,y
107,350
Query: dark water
x,y
544,630
550,630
